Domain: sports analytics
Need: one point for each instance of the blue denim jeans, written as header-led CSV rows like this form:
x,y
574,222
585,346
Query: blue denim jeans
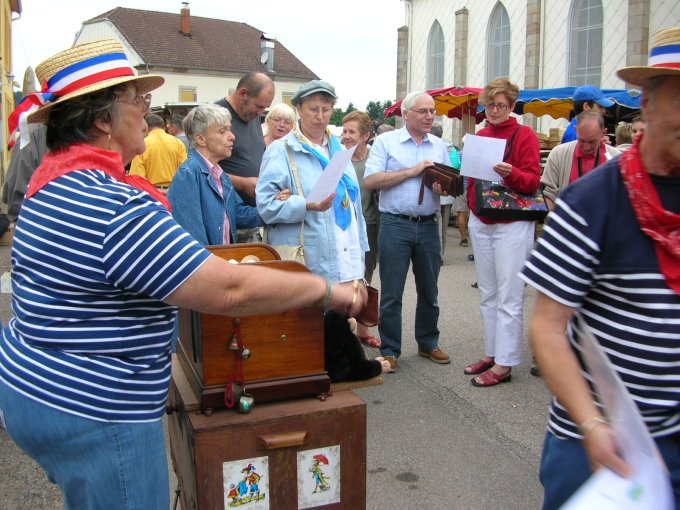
x,y
96,464
564,468
401,242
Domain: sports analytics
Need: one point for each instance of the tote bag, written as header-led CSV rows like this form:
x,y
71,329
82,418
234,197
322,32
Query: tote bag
x,y
294,252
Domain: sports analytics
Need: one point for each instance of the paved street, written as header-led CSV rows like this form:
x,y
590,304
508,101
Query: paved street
x,y
434,440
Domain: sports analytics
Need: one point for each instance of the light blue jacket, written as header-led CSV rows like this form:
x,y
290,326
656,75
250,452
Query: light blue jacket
x,y
285,216
198,207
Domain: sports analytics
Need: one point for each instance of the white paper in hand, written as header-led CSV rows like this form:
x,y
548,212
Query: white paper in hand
x,y
331,175
481,154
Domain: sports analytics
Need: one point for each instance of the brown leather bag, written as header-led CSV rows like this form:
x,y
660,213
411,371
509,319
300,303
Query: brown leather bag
x,y
370,314
447,177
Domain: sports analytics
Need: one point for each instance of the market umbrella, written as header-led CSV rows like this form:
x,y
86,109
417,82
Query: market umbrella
x,y
557,102
453,102
627,103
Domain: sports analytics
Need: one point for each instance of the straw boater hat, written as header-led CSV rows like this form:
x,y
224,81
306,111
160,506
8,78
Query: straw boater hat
x,y
83,69
664,59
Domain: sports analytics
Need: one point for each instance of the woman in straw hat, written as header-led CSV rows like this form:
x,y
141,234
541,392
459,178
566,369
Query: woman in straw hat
x,y
614,258
99,267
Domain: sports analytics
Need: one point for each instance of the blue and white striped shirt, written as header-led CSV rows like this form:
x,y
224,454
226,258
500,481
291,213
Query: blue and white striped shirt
x,y
594,257
93,259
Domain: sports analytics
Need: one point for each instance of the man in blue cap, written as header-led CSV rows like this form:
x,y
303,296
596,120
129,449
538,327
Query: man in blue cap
x,y
585,98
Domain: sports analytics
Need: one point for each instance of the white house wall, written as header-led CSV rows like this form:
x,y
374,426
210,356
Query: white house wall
x,y
209,88
663,14
106,30
423,17
480,14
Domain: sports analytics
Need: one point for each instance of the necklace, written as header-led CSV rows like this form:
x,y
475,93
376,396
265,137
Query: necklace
x,y
355,157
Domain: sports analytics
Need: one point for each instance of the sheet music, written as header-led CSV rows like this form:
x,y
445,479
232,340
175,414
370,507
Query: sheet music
x,y
331,175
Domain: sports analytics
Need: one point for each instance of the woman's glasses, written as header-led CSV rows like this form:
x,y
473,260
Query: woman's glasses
x,y
142,102
498,106
277,120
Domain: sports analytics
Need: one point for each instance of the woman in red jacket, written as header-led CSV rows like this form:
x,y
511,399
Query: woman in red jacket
x,y
501,247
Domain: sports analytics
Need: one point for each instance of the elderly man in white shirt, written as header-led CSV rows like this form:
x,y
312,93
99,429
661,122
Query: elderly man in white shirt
x,y
409,230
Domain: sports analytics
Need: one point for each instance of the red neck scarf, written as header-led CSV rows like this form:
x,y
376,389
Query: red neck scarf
x,y
81,156
660,225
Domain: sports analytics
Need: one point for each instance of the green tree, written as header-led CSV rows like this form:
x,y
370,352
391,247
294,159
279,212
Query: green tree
x,y
339,114
376,111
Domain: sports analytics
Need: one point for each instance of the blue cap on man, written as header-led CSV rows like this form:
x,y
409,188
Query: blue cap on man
x,y
591,93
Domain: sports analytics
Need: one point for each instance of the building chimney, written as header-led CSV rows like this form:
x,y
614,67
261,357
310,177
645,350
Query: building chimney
x,y
267,52
186,19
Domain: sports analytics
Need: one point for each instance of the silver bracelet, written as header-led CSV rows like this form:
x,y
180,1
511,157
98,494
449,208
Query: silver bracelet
x,y
590,424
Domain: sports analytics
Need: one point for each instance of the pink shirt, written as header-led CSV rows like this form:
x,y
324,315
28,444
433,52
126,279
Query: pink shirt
x,y
216,174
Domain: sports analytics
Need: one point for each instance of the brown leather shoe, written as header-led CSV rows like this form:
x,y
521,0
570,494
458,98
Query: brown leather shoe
x,y
393,364
436,355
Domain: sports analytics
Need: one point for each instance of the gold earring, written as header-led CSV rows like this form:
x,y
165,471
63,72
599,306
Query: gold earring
x,y
109,135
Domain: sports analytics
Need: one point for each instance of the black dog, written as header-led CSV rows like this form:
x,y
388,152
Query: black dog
x,y
344,355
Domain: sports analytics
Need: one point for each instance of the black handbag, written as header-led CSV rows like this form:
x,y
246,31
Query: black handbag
x,y
498,202
495,201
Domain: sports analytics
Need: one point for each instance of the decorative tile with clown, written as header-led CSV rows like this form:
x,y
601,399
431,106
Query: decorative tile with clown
x,y
318,476
246,483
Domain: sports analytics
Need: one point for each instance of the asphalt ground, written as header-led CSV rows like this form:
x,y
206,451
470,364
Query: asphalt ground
x,y
434,440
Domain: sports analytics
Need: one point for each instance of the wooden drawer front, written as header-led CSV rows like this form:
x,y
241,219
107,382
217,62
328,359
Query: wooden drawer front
x,y
281,345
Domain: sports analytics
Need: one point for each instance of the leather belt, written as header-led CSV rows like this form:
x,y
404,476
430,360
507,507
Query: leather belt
x,y
417,219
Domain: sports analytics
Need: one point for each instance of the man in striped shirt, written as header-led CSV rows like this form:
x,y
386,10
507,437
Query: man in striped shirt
x,y
612,252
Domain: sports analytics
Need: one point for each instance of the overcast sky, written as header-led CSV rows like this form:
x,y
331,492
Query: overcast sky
x,y
351,44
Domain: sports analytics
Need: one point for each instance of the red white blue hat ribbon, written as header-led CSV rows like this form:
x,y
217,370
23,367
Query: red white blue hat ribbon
x,y
665,56
68,80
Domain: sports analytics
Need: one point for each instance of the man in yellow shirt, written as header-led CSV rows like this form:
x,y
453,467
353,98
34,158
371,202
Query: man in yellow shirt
x,y
163,155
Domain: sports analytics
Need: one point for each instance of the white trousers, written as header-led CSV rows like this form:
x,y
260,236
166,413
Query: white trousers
x,y
500,252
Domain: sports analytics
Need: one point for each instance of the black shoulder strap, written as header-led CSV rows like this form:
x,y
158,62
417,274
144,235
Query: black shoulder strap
x,y
508,145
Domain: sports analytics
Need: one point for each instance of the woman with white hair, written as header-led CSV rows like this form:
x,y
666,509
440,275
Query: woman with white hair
x,y
203,199
278,122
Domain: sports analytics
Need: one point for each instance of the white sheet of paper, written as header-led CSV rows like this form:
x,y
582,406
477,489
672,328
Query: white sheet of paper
x,y
649,487
331,175
481,154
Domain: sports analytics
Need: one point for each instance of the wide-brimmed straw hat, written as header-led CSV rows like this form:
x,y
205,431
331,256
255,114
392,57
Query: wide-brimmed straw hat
x,y
664,59
83,69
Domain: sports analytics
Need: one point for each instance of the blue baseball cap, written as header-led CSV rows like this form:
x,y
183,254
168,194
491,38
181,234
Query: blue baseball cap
x,y
591,93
